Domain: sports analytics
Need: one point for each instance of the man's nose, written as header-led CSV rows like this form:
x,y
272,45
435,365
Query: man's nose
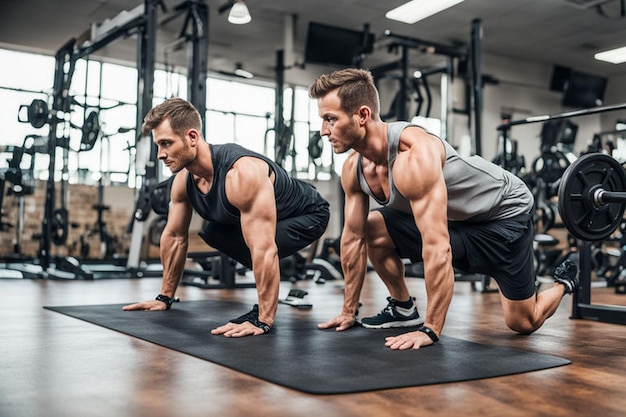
x,y
325,131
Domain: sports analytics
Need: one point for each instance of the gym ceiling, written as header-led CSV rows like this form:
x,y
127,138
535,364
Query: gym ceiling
x,y
561,32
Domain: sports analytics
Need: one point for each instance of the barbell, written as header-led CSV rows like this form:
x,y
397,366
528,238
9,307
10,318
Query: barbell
x,y
592,196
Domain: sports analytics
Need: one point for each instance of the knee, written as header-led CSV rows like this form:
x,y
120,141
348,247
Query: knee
x,y
521,324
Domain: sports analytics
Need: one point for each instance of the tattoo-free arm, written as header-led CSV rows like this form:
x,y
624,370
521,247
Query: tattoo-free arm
x,y
353,246
251,191
173,246
418,175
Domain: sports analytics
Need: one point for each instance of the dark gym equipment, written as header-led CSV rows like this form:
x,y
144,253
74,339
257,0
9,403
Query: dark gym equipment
x,y
37,113
295,298
55,223
594,196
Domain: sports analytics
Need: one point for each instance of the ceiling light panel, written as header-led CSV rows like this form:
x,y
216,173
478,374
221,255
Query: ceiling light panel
x,y
417,10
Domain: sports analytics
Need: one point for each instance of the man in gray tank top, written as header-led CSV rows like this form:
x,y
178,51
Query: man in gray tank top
x,y
255,211
437,207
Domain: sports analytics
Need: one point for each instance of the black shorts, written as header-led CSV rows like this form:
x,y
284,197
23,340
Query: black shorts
x,y
292,235
500,249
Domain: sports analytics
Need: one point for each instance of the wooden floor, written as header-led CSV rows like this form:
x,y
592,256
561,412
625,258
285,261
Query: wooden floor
x,y
53,365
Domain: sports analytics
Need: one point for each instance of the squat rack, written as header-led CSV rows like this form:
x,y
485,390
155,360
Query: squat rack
x,y
140,21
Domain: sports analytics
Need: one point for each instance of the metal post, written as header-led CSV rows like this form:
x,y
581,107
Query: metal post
x,y
146,45
403,97
197,59
476,84
446,100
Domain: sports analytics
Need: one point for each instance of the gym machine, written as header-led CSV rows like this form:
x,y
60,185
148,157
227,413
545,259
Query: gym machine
x,y
452,53
21,184
591,202
140,21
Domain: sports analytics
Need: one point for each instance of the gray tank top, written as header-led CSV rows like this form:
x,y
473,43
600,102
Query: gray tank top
x,y
478,190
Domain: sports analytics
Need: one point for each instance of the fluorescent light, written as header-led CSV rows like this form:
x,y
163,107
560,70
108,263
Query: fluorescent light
x,y
417,10
614,56
243,73
239,14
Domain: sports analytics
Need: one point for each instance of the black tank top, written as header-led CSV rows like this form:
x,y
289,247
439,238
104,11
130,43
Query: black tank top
x,y
293,197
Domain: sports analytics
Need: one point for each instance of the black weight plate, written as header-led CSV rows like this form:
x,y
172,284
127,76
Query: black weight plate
x,y
38,113
584,218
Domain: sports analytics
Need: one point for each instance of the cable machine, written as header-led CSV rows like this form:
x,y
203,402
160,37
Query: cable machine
x,y
140,21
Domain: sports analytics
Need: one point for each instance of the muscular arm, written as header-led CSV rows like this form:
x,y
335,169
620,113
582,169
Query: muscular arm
x,y
419,177
175,237
174,244
353,245
251,191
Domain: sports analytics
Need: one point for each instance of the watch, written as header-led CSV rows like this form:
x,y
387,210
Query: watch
x,y
165,299
429,332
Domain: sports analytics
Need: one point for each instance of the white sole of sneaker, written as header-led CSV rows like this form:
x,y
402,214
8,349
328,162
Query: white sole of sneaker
x,y
394,324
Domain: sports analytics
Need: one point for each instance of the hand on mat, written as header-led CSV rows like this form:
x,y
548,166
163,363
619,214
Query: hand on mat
x,y
238,330
152,305
341,322
412,340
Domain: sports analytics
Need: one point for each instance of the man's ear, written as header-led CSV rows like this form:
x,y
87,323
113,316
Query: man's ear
x,y
193,136
364,113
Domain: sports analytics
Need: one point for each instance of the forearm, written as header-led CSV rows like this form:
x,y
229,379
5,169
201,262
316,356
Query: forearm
x,y
439,280
354,264
267,277
173,257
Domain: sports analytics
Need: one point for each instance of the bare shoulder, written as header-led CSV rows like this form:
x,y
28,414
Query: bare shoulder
x,y
418,169
348,172
248,180
249,167
420,147
179,186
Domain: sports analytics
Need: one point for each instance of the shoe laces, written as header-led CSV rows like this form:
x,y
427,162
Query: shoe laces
x,y
390,308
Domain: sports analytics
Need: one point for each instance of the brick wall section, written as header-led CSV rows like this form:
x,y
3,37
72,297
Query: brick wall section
x,y
83,218
121,201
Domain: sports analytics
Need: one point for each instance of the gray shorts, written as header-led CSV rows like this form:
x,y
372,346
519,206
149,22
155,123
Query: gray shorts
x,y
500,249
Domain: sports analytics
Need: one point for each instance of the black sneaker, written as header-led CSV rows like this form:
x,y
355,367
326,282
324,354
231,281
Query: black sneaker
x,y
393,316
567,274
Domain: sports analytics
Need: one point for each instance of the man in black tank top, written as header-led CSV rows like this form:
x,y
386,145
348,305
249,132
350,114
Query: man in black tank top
x,y
438,208
255,212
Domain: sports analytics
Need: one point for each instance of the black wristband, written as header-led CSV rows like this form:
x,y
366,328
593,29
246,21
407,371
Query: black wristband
x,y
253,317
429,332
264,326
165,299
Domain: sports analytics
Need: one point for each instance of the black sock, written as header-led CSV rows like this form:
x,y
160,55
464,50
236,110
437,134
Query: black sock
x,y
405,304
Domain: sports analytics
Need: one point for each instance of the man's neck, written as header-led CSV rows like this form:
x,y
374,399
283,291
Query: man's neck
x,y
374,145
202,166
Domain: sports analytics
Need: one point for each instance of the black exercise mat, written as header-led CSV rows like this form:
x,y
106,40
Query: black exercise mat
x,y
298,355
